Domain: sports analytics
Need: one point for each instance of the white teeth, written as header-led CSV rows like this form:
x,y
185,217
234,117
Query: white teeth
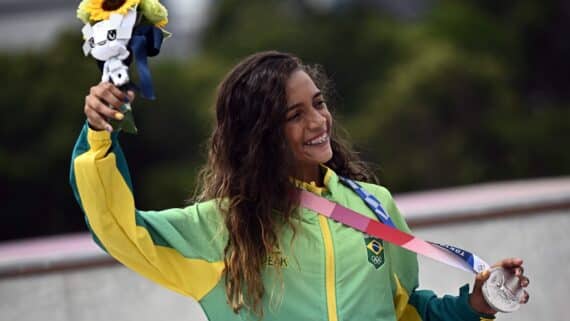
x,y
319,140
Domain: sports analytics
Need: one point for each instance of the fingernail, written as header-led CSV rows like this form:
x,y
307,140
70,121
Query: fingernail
x,y
486,273
109,128
119,116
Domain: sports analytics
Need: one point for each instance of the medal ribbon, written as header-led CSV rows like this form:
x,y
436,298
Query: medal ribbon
x,y
385,229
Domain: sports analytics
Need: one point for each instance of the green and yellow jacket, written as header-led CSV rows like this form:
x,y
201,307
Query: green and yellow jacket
x,y
329,272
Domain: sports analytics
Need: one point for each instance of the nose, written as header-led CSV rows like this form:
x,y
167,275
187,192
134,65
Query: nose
x,y
316,120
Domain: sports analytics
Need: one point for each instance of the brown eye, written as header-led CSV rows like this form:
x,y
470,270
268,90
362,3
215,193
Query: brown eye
x,y
294,116
320,104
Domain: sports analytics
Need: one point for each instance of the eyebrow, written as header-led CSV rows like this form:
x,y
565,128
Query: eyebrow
x,y
317,94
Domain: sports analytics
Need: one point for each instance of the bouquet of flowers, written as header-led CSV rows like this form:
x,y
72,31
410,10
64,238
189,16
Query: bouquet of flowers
x,y
116,31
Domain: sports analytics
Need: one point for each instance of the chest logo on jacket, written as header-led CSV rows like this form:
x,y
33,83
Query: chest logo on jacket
x,y
375,250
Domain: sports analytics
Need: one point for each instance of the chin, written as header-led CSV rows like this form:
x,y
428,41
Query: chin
x,y
325,157
318,157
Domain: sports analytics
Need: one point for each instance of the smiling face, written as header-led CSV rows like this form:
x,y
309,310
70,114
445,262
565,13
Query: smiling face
x,y
307,125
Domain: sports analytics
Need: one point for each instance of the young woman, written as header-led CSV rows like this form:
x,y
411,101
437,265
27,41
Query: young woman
x,y
246,250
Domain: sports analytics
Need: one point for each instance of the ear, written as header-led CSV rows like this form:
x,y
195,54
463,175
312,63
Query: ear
x,y
115,20
87,32
124,31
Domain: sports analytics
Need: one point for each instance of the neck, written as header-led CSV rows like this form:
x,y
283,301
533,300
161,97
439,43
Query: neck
x,y
311,174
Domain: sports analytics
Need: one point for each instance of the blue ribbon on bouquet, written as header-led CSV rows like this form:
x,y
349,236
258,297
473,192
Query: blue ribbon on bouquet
x,y
146,41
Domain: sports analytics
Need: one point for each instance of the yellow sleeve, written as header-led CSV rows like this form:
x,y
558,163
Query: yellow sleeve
x,y
158,245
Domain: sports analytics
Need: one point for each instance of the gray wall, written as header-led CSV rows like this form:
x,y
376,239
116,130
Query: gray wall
x,y
106,293
541,240
114,293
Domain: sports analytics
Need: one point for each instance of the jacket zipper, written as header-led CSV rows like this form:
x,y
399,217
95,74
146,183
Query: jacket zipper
x,y
329,269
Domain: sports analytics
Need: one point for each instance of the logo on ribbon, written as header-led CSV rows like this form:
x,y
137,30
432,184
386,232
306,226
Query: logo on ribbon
x,y
375,250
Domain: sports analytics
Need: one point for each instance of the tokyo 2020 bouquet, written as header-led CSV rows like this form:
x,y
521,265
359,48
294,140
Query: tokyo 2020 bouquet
x,y
115,32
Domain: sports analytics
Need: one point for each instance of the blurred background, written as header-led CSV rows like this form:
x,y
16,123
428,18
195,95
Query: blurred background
x,y
436,94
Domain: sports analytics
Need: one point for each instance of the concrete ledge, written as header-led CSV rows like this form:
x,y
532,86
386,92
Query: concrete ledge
x,y
484,201
50,254
430,208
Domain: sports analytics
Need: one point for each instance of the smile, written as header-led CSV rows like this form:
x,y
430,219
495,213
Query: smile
x,y
318,140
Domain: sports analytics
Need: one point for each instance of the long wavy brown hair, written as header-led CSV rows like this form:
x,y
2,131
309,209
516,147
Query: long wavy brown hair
x,y
249,168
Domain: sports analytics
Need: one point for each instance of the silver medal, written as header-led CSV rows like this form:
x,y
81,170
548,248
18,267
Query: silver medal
x,y
502,290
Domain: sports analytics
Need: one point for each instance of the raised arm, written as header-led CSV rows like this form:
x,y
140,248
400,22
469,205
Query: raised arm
x,y
180,249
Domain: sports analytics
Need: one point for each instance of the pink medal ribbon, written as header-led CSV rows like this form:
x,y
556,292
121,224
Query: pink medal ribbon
x,y
449,255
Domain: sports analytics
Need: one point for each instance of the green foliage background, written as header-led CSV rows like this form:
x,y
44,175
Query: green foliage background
x,y
469,92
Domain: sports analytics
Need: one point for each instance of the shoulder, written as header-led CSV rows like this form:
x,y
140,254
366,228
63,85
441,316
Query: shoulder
x,y
381,192
385,197
202,214
209,207
205,210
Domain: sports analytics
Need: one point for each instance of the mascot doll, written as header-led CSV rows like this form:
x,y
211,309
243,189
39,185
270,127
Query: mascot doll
x,y
115,32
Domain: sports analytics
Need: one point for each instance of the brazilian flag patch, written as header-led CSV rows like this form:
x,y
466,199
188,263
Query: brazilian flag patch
x,y
375,249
